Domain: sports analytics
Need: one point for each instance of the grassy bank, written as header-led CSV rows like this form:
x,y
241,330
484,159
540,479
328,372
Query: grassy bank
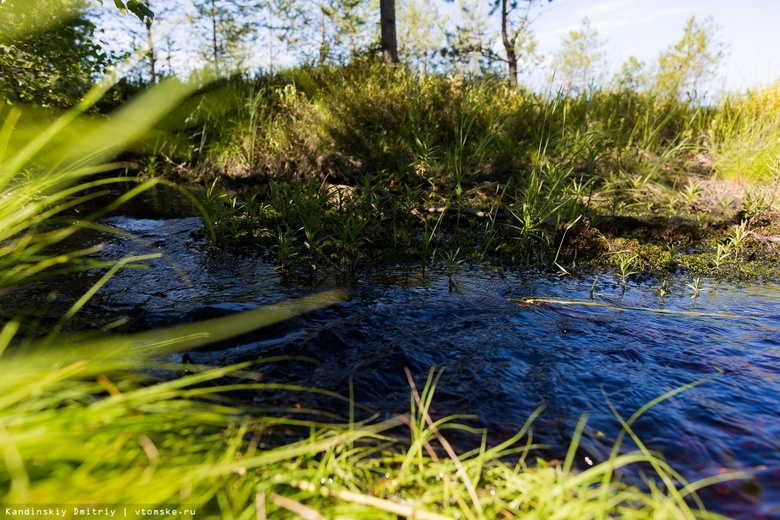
x,y
334,166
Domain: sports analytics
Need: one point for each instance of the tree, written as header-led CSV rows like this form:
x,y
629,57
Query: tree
x,y
150,44
633,75
150,33
328,31
421,32
516,37
49,51
575,65
226,25
389,43
515,33
690,62
470,45
284,22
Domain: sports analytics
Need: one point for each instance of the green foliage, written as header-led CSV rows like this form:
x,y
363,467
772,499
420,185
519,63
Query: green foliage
x,y
633,75
343,29
686,66
542,207
469,45
576,64
342,123
50,54
137,7
223,26
744,134
421,32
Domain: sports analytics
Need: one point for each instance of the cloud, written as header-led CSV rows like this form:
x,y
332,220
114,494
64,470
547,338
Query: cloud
x,y
605,8
646,18
613,15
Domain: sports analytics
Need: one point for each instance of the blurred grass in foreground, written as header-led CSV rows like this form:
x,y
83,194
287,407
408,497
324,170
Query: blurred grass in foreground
x,y
95,431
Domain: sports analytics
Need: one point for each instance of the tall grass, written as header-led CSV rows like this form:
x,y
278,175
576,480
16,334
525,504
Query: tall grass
x,y
744,135
81,430
345,122
47,169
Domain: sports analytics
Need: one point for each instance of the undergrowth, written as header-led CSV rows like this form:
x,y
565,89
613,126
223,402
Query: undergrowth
x,y
334,166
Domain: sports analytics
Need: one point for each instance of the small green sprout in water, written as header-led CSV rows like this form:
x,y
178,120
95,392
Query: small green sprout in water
x,y
695,287
593,286
285,248
663,291
725,203
672,251
451,260
671,203
755,203
624,263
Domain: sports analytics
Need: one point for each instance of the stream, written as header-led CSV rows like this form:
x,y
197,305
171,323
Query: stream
x,y
502,356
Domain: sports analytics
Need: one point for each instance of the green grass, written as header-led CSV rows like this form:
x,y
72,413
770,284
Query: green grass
x,y
413,157
90,430
745,136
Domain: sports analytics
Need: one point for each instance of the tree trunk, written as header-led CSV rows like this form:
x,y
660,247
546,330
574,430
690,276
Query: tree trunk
x,y
323,41
509,44
270,41
389,41
214,45
150,44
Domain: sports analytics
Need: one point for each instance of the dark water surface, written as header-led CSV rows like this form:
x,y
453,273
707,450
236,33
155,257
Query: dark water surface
x,y
502,358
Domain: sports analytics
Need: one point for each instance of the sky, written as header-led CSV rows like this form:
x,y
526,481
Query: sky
x,y
645,28
642,28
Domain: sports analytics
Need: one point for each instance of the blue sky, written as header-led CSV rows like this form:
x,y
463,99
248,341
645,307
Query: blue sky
x,y
644,28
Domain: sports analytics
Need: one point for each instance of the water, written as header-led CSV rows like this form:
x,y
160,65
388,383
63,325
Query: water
x,y
502,357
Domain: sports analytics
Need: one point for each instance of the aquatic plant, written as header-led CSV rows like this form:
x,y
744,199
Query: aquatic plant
x,y
695,287
663,291
725,202
352,239
755,203
285,247
624,263
451,259
539,208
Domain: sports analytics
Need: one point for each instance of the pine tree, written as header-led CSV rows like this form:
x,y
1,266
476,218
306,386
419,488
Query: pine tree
x,y
421,32
576,65
689,63
226,27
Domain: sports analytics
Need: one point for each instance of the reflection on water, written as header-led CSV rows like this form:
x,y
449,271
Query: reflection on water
x,y
502,358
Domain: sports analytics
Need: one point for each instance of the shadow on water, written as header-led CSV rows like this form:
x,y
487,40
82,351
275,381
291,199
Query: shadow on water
x,y
502,357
